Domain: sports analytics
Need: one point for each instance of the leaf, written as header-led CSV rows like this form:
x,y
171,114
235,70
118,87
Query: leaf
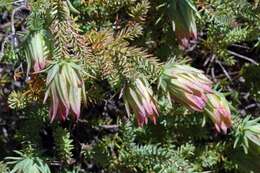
x,y
75,97
72,8
51,73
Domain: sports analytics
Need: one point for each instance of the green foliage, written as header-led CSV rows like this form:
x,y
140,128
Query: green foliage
x,y
250,72
30,127
132,157
228,23
69,49
247,133
150,158
63,143
17,100
27,163
246,162
3,168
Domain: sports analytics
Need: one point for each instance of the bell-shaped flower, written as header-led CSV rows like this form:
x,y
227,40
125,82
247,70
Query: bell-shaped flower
x,y
66,89
138,97
36,51
186,85
217,109
182,14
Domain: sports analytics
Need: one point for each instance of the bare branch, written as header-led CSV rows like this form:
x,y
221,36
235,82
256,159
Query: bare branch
x,y
243,57
223,69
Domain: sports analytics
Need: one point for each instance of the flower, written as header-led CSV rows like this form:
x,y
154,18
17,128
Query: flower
x,y
186,85
182,13
138,98
65,87
217,109
36,51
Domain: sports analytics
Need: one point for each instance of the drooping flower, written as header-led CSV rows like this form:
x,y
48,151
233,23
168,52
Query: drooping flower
x,y
217,109
36,51
182,13
66,89
138,97
186,85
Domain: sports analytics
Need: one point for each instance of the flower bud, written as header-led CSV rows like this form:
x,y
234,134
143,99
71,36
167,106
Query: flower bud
x,y
36,51
66,89
138,98
217,109
182,12
187,86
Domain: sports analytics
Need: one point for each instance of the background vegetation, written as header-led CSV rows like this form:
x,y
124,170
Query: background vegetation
x,y
104,45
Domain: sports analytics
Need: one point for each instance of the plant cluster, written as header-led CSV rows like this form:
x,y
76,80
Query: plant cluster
x,y
129,86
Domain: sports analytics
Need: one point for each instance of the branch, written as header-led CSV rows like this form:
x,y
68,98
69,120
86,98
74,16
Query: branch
x,y
223,69
243,57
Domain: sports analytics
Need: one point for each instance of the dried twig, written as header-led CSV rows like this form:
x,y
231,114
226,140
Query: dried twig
x,y
108,127
243,57
241,46
224,70
213,74
12,36
213,57
252,106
